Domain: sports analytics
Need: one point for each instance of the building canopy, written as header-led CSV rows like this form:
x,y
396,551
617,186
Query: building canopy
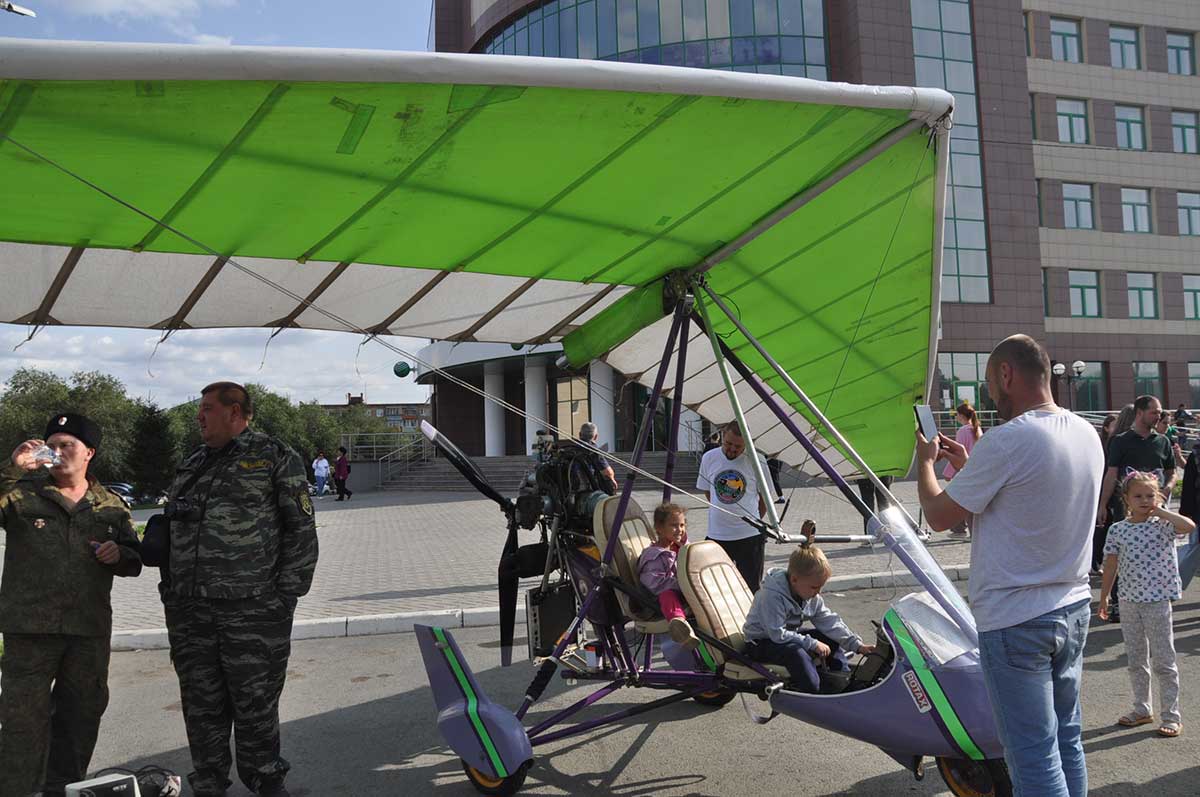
x,y
486,198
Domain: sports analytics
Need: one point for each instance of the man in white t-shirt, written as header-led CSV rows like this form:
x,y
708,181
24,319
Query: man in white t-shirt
x,y
727,475
1033,485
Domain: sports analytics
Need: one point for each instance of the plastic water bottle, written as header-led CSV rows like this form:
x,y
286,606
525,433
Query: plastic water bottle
x,y
46,457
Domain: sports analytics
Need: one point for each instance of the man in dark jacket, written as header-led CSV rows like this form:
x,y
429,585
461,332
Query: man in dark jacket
x,y
243,551
67,536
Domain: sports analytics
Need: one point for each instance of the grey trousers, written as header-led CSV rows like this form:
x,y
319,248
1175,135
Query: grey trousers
x,y
1150,644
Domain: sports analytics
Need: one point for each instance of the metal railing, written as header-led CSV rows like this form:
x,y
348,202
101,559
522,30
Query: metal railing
x,y
398,461
373,446
947,424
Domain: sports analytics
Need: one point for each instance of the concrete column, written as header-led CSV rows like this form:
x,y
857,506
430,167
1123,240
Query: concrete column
x,y
601,399
493,413
535,400
690,438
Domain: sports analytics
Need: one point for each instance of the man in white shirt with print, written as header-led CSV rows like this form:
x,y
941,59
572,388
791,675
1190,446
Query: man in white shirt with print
x,y
1033,484
727,475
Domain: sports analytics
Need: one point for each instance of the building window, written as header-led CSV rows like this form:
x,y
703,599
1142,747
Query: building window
x,y
1077,206
964,377
1143,299
1135,209
1090,388
1191,299
1194,384
1045,295
1147,379
1184,133
1131,127
1084,287
571,398
1072,121
1025,32
767,36
1064,40
1181,54
944,58
1123,45
1189,212
1037,190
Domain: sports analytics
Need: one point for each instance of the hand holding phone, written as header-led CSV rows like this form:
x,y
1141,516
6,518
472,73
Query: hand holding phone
x,y
925,421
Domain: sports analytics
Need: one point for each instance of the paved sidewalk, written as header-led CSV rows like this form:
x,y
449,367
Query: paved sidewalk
x,y
384,553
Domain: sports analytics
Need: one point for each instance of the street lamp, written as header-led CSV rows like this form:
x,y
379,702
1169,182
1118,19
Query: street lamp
x,y
1077,369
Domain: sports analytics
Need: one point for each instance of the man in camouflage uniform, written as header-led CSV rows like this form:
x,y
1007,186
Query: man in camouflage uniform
x,y
243,551
67,536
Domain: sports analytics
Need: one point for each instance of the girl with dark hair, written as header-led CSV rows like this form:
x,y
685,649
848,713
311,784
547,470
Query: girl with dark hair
x,y
968,433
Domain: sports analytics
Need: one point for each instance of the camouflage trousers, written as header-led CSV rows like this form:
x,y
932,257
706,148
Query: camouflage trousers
x,y
53,692
231,658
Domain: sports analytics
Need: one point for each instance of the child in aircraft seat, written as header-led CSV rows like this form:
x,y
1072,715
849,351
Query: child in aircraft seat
x,y
787,600
656,571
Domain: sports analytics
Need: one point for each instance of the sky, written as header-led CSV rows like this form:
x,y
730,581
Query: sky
x,y
301,364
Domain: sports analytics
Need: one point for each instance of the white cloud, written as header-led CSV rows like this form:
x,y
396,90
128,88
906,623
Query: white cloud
x,y
141,9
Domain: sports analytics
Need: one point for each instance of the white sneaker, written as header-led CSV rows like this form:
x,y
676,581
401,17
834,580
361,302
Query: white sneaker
x,y
680,631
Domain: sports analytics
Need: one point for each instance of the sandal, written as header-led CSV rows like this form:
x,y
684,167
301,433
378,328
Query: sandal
x,y
1132,720
1170,729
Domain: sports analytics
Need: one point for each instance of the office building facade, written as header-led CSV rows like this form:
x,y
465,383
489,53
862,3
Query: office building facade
x,y
1074,202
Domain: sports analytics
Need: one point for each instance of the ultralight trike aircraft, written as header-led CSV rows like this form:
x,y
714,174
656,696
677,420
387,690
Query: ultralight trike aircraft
x,y
723,238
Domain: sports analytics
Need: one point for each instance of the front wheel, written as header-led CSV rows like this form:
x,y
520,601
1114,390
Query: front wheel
x,y
716,698
988,778
498,787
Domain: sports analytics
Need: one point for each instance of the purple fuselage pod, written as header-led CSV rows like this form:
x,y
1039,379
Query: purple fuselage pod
x,y
942,711
484,735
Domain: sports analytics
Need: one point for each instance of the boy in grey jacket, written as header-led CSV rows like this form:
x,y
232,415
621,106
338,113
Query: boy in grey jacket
x,y
789,598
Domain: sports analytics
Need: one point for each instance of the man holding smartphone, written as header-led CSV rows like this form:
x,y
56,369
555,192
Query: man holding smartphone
x,y
1029,561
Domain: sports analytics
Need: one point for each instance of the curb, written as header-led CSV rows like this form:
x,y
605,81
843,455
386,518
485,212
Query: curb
x,y
403,622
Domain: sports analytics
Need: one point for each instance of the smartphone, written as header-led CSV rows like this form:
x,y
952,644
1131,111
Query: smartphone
x,y
925,421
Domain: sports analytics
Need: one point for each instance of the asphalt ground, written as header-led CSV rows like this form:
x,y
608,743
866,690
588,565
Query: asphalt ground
x,y
358,719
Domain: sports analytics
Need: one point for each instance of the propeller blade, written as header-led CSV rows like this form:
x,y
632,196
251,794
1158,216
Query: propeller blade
x,y
508,582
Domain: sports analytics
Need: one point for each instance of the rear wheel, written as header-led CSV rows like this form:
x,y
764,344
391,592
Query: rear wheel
x,y
965,778
716,698
500,787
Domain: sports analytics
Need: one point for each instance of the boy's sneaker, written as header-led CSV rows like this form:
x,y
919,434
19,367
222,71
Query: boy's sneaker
x,y
680,631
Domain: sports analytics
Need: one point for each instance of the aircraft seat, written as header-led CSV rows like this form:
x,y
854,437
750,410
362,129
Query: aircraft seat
x,y
636,535
720,599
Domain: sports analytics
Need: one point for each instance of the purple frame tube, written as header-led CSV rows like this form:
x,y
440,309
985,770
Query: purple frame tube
x,y
626,492
632,711
578,705
676,409
933,589
752,380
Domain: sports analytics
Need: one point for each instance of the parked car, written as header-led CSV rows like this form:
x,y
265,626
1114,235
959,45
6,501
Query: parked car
x,y
123,490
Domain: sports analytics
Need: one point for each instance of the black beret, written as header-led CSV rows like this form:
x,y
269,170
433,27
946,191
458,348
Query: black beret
x,y
78,426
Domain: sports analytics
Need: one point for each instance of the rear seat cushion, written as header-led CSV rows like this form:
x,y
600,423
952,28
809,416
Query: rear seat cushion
x,y
721,600
637,534
716,592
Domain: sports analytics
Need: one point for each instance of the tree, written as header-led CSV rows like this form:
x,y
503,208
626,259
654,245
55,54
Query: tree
x,y
154,453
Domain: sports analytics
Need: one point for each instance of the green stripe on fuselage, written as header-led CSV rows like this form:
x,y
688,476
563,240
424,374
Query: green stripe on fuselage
x,y
472,703
940,702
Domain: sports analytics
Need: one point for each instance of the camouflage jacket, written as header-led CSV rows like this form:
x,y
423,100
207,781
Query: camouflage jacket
x,y
53,583
248,528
